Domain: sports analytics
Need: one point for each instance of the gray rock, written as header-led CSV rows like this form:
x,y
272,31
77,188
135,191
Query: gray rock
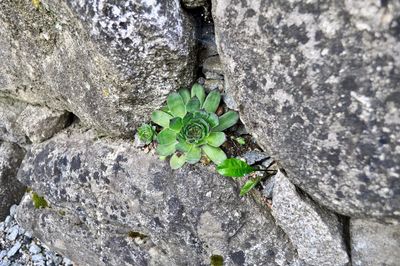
x,y
268,187
13,233
193,3
41,123
38,258
213,65
67,261
213,84
373,243
109,62
317,85
9,112
11,190
255,156
230,101
7,221
34,249
14,249
316,233
3,253
214,77
146,213
13,210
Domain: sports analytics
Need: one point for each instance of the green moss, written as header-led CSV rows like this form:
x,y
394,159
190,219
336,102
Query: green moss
x,y
38,201
134,234
216,260
61,213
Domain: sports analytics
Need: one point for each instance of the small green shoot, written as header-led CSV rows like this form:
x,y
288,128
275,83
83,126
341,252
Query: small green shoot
x,y
237,169
240,140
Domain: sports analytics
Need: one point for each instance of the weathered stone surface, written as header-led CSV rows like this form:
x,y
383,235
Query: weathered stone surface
x,y
102,191
9,113
317,82
11,190
316,233
373,243
109,62
41,123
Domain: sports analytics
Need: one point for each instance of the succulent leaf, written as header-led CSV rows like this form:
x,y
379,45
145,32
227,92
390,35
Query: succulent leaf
x,y
212,101
216,139
185,94
194,155
146,133
194,130
176,105
193,105
226,121
161,118
176,161
183,146
215,154
213,120
166,136
198,91
166,110
176,124
166,149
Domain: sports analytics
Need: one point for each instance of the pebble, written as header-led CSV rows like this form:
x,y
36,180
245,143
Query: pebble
x,y
7,221
13,233
253,157
3,253
37,258
13,210
14,249
19,248
268,187
34,249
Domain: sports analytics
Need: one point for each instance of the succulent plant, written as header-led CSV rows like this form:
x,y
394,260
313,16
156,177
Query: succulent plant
x,y
146,133
191,127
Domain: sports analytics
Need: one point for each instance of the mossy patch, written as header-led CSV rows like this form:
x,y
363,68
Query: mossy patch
x,y
216,260
39,202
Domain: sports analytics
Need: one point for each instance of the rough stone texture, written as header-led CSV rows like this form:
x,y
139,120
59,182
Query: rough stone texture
x,y
100,190
373,243
317,82
11,190
109,62
316,233
41,123
9,113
